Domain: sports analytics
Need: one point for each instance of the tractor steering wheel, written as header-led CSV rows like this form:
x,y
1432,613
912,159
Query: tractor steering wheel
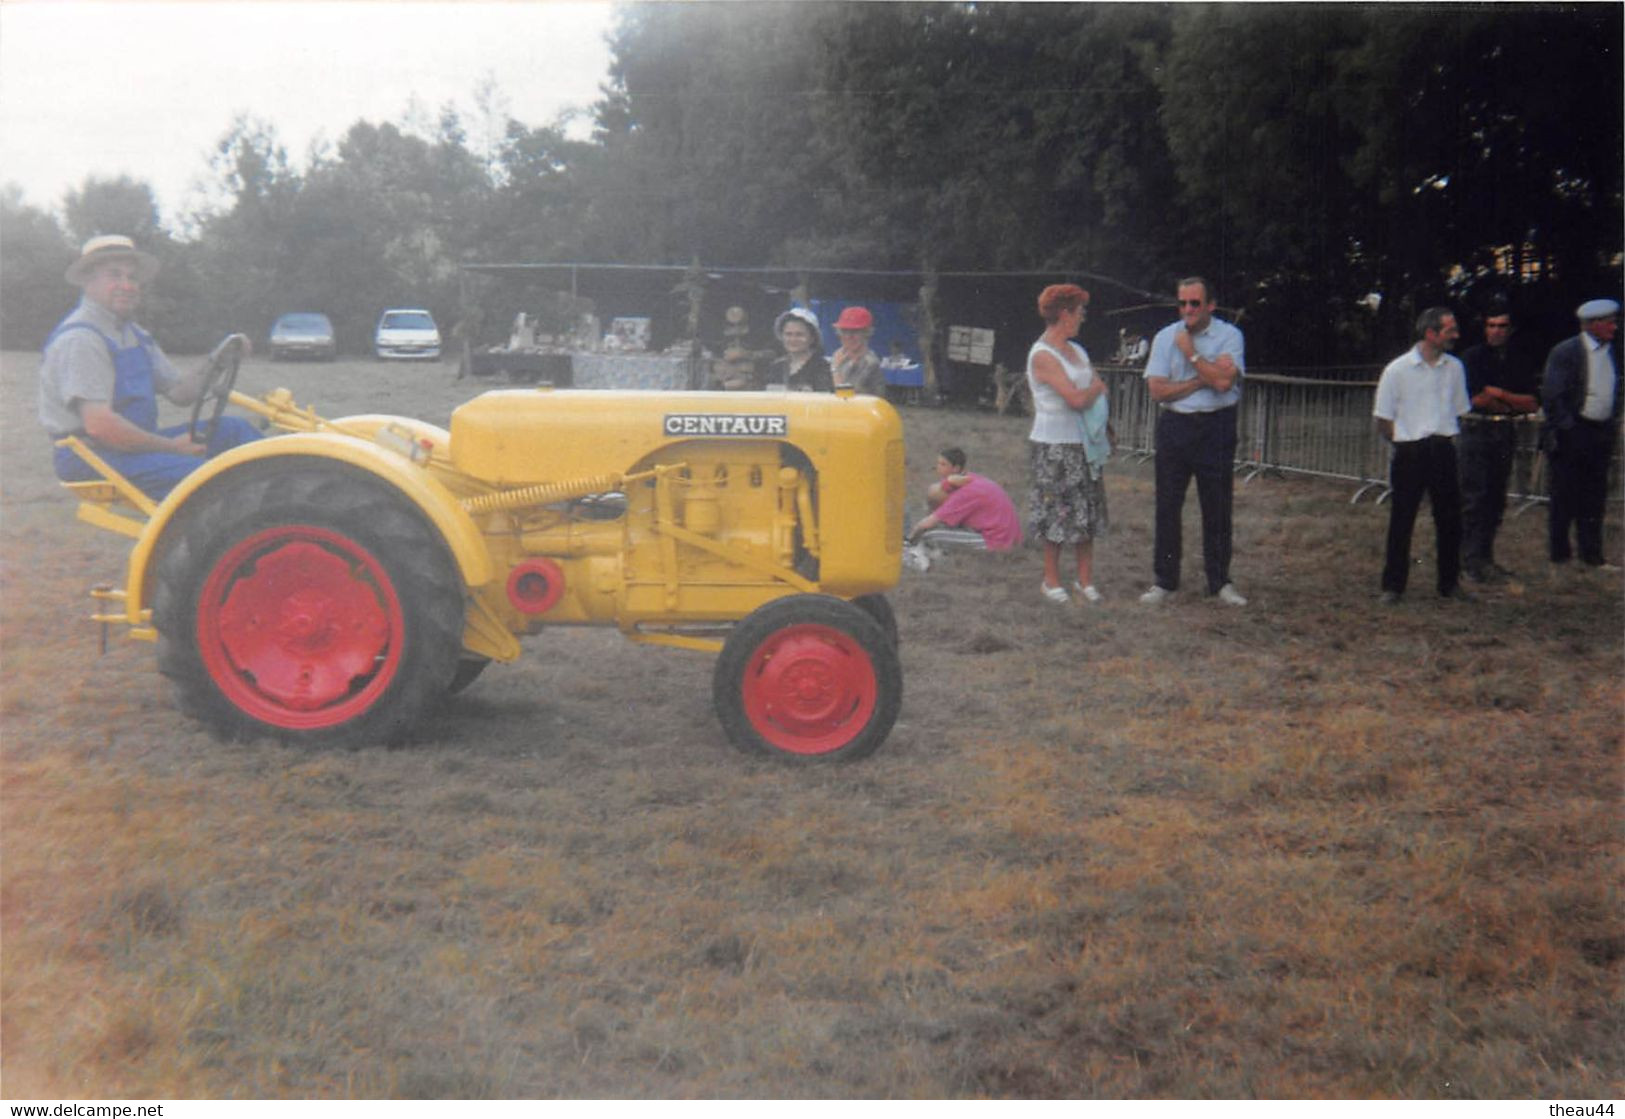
x,y
224,362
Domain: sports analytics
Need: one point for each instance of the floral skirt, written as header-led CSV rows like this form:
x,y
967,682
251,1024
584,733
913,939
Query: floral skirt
x,y
1068,499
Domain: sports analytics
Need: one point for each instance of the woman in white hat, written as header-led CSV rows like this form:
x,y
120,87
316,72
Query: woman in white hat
x,y
102,374
802,368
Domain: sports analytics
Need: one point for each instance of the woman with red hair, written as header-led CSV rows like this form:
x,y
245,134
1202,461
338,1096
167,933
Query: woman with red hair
x,y
1069,444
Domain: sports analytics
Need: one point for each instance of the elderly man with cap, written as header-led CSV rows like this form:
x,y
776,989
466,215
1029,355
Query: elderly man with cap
x,y
102,374
855,365
1581,397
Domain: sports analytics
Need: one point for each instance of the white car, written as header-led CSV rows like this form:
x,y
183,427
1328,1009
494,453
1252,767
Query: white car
x,y
406,333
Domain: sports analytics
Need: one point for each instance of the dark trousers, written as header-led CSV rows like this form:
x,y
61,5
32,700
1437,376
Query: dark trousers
x,y
1423,466
1486,450
1579,489
1200,445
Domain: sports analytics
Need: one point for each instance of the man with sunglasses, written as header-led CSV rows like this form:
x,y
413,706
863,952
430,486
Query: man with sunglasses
x,y
1194,374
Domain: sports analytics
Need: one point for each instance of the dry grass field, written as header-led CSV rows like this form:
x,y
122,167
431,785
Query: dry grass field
x,y
1306,849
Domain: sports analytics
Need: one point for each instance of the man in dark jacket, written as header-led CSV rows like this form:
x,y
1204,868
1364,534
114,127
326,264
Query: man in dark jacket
x,y
1582,398
1501,382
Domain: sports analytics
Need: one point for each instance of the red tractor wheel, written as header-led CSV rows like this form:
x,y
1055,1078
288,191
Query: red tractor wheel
x,y
308,602
808,678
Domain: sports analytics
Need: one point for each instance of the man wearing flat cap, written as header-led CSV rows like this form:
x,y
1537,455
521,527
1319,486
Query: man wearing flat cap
x,y
102,374
1581,397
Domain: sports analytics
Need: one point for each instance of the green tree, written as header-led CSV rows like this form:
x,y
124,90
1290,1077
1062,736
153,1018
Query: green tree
x,y
119,205
1482,162
33,293
245,249
708,131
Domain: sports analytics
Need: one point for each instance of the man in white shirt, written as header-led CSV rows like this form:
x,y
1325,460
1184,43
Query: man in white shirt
x,y
1581,395
1420,398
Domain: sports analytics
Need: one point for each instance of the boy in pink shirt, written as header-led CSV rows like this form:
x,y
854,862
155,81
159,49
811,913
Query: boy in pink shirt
x,y
968,510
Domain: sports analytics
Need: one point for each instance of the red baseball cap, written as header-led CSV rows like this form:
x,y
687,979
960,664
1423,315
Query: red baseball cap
x,y
855,318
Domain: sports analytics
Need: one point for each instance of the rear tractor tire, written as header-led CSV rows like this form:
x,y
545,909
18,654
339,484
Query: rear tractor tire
x,y
308,602
808,679
468,670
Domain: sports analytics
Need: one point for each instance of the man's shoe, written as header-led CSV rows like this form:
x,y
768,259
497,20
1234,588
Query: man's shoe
x,y
1605,568
1056,595
1089,594
1156,596
1230,596
1389,598
1459,593
1487,573
1500,573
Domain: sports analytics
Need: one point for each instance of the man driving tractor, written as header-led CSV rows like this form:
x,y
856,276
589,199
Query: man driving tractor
x,y
102,373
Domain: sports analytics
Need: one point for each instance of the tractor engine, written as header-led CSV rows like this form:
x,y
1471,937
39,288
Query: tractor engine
x,y
652,510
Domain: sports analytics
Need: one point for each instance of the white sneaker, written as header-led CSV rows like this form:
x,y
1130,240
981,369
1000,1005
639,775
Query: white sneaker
x,y
1089,594
1230,596
1056,595
1156,596
916,558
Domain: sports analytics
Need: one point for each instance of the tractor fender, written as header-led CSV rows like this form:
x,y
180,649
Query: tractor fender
x,y
414,483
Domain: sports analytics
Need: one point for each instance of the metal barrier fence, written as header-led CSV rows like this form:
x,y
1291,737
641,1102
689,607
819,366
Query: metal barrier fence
x,y
1297,425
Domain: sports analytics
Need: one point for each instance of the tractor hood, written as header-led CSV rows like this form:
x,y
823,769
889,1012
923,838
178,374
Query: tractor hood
x,y
523,436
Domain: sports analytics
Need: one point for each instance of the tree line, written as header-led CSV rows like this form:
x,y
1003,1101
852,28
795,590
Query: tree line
x,y
1300,156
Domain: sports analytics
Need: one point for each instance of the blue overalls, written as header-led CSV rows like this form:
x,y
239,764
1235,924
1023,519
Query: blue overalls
x,y
135,398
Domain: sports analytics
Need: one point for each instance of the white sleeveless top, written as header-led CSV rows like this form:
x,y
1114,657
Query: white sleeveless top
x,y
1054,421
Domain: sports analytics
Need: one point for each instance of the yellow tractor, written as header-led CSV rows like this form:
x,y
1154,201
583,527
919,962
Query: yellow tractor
x,y
333,583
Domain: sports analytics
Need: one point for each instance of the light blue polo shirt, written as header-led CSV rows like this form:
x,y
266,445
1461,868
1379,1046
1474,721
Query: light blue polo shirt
x,y
1217,339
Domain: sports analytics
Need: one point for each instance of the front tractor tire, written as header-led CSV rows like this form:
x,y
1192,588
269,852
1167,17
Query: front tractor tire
x,y
307,602
808,679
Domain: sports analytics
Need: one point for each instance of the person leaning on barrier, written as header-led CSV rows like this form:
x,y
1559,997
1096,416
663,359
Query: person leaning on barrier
x,y
1581,394
1194,374
1420,397
1502,382
101,376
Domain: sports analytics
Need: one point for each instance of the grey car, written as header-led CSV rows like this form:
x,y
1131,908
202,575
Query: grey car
x,y
303,334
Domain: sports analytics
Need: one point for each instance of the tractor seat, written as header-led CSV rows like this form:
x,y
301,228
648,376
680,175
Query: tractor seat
x,y
106,505
97,492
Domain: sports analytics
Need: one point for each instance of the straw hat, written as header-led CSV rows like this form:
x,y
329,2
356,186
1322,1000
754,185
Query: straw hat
x,y
111,246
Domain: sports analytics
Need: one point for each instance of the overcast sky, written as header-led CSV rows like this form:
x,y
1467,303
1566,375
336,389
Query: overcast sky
x,y
146,89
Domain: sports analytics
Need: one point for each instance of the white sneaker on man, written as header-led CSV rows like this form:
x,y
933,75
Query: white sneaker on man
x,y
1230,596
1157,595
